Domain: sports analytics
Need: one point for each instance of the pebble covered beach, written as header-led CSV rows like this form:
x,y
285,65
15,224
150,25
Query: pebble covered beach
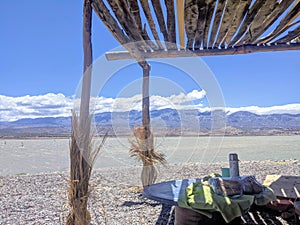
x,y
116,197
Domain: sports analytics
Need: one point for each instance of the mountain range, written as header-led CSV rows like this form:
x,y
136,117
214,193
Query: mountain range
x,y
167,122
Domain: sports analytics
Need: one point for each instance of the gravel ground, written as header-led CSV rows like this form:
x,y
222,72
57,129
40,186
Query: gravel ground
x,y
116,195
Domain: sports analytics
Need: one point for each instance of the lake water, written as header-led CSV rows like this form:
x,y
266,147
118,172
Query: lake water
x,y
48,155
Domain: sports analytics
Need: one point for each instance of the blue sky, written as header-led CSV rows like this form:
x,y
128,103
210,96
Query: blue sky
x,y
41,53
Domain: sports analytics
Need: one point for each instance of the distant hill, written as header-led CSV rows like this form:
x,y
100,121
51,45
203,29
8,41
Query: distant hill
x,y
168,122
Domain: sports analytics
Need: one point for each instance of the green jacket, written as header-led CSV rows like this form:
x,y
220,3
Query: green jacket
x,y
202,199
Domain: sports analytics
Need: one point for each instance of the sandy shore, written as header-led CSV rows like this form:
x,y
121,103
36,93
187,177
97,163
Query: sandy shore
x,y
116,196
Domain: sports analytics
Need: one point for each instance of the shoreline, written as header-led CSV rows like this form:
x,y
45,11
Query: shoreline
x,y
158,136
168,166
115,193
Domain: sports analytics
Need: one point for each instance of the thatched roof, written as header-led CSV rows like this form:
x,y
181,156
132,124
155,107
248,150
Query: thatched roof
x,y
204,27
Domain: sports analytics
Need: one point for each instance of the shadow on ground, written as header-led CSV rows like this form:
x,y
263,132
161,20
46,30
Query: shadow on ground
x,y
255,216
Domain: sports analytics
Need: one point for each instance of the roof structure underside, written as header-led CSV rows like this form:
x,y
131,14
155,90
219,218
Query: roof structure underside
x,y
168,28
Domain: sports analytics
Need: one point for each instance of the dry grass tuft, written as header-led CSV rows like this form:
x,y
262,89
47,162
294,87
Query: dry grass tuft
x,y
139,151
82,157
142,148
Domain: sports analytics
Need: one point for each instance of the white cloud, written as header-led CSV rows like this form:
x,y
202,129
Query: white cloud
x,y
55,105
195,95
290,109
179,101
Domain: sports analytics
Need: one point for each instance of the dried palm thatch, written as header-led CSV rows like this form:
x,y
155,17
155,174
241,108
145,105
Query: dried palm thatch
x,y
82,157
142,148
204,27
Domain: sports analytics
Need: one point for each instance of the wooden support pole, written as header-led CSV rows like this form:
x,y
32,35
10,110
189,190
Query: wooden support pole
x,y
149,171
80,155
88,60
146,101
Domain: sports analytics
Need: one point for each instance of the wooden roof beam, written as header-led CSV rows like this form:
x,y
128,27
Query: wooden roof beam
x,y
290,36
199,37
122,13
109,21
171,24
229,14
180,16
241,11
160,19
250,15
209,16
244,49
217,21
151,23
284,23
260,23
191,13
135,11
265,17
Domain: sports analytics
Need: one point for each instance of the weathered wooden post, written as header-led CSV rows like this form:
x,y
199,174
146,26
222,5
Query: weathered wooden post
x,y
142,147
146,101
149,171
87,62
80,152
